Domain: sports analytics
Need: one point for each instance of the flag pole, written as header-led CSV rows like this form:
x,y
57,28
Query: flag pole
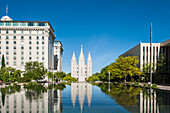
x,y
6,10
151,52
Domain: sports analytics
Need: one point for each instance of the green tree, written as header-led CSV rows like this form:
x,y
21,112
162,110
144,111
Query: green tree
x,y
35,69
59,76
161,75
69,78
124,66
2,62
50,75
146,71
93,78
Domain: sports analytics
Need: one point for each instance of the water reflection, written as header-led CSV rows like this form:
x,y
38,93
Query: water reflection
x,y
78,98
81,89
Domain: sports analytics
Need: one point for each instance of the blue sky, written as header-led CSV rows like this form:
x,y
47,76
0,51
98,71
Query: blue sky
x,y
106,28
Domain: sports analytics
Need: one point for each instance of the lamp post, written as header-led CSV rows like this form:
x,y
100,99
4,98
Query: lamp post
x,y
109,81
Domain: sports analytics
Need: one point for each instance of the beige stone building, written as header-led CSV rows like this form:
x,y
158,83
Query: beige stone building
x,y
142,51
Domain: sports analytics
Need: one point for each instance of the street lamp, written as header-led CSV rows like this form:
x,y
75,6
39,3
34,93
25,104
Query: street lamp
x,y
109,81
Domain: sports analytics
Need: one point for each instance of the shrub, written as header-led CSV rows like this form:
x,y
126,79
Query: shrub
x,y
115,82
130,83
14,84
136,84
144,85
154,86
149,85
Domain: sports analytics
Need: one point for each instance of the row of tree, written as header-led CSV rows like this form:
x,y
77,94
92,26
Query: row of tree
x,y
33,71
126,68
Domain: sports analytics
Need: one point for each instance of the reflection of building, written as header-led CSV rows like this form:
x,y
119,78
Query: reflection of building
x,y
21,102
55,101
23,41
81,89
58,51
80,70
142,51
148,103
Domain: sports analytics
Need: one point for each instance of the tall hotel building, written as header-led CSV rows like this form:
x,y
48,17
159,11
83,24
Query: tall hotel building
x,y
142,51
23,41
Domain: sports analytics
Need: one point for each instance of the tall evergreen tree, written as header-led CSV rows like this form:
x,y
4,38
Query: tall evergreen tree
x,y
2,62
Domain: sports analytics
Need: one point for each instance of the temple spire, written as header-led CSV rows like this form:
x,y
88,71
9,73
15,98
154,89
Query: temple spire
x,y
89,57
81,57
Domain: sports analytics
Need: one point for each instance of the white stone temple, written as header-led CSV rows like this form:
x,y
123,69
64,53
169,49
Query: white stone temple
x,y
81,71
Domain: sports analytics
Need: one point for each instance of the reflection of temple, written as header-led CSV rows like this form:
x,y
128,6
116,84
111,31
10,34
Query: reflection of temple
x,y
148,102
21,102
81,89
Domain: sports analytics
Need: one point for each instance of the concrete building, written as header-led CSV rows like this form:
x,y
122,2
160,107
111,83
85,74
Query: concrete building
x,y
142,51
58,52
23,41
81,71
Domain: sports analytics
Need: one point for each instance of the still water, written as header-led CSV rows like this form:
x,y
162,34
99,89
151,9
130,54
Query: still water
x,y
82,98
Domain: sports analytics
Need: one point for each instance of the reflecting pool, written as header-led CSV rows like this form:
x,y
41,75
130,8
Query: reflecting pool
x,y
82,98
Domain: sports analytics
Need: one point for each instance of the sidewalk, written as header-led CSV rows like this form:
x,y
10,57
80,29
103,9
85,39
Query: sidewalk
x,y
164,87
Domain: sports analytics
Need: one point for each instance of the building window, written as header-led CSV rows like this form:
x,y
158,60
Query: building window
x,y
22,52
29,58
0,54
43,47
15,58
23,24
14,32
7,37
7,63
43,53
22,47
7,42
43,37
29,42
30,37
15,42
1,24
0,37
22,58
37,32
31,24
14,37
37,42
41,24
0,47
7,58
22,37
29,32
7,53
15,53
22,63
15,24
15,47
37,58
42,58
6,31
29,53
37,37
37,47
37,53
7,47
42,42
15,63
29,47
8,23
22,32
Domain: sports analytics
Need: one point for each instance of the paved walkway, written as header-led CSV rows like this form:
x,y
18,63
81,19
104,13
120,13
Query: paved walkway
x,y
164,87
